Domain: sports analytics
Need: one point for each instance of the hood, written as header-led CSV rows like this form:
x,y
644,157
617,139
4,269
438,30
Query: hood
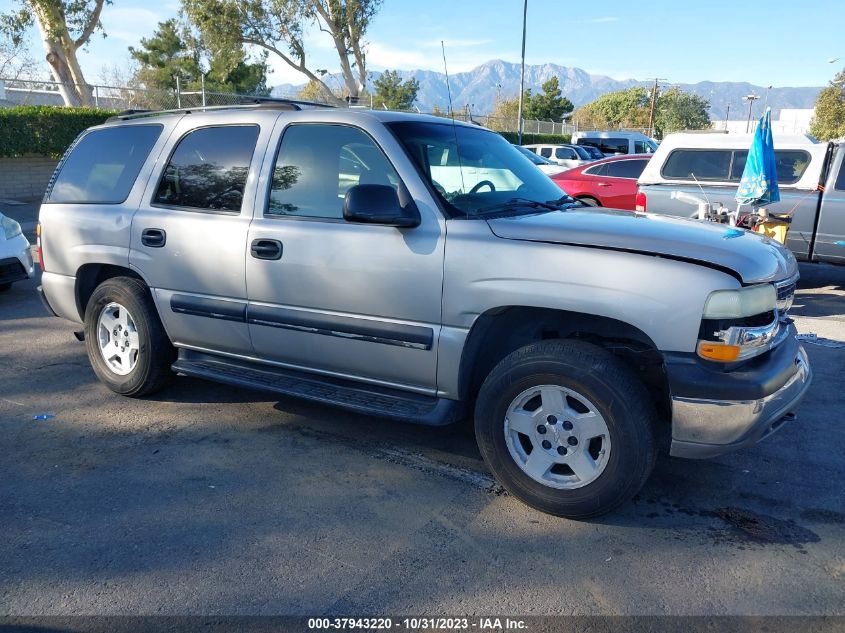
x,y
750,256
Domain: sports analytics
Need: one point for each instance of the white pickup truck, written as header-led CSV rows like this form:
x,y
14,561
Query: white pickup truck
x,y
811,178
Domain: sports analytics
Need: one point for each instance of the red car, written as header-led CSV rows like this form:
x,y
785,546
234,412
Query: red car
x,y
610,182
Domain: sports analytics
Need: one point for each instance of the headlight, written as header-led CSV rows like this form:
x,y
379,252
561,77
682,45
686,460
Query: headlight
x,y
10,227
736,304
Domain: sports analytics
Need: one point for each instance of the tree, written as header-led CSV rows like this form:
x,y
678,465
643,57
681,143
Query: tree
x,y
677,110
829,118
394,94
15,61
548,105
65,26
173,50
279,27
623,108
311,92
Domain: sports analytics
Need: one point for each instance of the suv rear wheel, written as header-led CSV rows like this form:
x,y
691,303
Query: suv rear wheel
x,y
567,428
126,342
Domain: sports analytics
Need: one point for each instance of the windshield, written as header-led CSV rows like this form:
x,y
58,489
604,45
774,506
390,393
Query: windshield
x,y
582,153
476,171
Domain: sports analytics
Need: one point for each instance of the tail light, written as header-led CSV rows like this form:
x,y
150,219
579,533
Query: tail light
x,y
39,255
640,201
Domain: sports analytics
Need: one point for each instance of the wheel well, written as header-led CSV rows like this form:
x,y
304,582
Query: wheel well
x,y
593,198
499,332
89,276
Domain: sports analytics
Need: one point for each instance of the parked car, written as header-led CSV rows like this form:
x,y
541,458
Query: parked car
x,y
15,256
567,156
610,182
616,142
543,164
404,266
592,151
810,178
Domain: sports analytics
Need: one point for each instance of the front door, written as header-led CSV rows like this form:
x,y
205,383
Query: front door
x,y
335,297
189,235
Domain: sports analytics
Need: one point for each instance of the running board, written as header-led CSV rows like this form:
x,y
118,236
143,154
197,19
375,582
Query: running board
x,y
362,398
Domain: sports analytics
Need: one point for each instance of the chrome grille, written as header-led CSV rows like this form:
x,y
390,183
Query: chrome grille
x,y
786,294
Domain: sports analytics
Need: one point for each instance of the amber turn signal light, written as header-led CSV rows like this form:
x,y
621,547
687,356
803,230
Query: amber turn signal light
x,y
718,351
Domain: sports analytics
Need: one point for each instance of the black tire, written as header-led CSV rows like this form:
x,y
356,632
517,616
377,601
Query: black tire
x,y
155,355
617,395
590,202
5,287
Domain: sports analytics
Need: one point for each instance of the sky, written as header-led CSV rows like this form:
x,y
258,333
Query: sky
x,y
775,43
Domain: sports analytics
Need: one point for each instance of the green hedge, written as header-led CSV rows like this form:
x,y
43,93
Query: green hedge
x,y
528,138
44,130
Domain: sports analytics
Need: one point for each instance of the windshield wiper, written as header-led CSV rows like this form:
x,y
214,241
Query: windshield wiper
x,y
516,203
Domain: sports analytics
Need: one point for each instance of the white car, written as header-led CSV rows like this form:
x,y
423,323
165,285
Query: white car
x,y
543,164
567,156
15,256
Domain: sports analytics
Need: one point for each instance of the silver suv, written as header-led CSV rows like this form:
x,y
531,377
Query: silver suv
x,y
423,270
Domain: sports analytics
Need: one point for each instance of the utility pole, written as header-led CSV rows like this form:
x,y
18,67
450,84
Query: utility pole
x,y
750,99
522,73
653,104
727,116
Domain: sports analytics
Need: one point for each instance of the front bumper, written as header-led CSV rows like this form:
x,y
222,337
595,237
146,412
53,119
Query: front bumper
x,y
716,412
15,260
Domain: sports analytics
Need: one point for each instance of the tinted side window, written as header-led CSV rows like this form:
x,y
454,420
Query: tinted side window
x,y
565,153
598,170
641,147
546,152
840,179
103,165
709,164
790,164
626,168
317,164
208,169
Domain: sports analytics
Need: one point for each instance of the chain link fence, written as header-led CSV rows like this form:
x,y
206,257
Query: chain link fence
x,y
27,92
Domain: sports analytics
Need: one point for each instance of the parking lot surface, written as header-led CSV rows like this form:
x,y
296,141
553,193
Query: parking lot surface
x,y
207,499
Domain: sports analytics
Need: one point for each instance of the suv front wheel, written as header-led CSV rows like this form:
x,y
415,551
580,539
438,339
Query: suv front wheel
x,y
567,428
126,342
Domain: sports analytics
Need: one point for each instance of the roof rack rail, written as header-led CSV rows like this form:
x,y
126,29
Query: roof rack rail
x,y
272,103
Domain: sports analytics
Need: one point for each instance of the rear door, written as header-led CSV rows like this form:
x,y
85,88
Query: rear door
x,y
830,234
619,187
188,238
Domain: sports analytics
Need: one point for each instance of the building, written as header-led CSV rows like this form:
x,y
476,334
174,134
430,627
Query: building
x,y
788,121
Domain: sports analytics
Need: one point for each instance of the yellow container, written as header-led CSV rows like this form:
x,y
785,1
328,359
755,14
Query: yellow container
x,y
774,230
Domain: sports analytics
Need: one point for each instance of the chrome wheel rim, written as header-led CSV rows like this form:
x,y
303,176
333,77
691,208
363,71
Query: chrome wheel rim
x,y
557,437
117,338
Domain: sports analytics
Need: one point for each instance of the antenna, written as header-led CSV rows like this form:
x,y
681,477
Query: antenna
x,y
448,88
703,193
452,113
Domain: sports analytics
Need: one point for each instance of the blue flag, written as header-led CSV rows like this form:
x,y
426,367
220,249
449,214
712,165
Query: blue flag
x,y
759,184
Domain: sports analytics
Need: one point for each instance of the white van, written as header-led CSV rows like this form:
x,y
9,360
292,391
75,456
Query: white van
x,y
616,142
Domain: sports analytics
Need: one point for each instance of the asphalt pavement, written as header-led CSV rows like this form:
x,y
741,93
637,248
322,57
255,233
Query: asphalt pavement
x,y
207,499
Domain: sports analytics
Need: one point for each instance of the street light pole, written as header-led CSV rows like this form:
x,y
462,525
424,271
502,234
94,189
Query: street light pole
x,y
750,99
653,104
522,73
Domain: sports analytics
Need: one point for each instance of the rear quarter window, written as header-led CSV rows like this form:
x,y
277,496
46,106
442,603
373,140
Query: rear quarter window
x,y
103,165
626,168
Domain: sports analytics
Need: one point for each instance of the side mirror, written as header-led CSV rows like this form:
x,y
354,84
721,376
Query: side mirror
x,y
380,204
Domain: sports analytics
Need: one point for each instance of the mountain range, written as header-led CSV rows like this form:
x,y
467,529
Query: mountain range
x,y
481,86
